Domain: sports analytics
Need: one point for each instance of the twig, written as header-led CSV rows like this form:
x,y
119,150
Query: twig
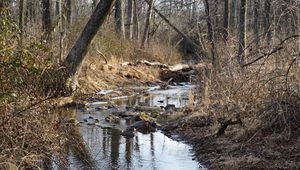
x,y
23,110
287,73
278,48
103,56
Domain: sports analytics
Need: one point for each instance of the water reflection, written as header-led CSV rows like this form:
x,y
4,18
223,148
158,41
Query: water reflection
x,y
176,96
105,148
153,151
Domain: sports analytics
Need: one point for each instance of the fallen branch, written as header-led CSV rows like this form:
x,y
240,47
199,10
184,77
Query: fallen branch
x,y
225,124
197,47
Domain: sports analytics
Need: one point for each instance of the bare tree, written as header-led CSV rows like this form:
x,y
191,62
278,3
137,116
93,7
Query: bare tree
x,y
119,17
267,21
22,9
129,19
210,34
136,24
147,24
46,20
242,33
80,48
256,22
226,19
232,18
68,11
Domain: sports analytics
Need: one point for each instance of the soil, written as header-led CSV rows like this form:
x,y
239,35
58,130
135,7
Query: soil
x,y
231,150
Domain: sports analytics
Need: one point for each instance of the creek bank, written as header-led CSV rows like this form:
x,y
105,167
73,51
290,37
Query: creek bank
x,y
232,150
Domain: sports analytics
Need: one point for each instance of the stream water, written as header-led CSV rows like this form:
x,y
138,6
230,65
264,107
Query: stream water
x,y
108,149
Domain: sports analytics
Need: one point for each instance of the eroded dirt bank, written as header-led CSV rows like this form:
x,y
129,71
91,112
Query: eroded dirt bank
x,y
232,150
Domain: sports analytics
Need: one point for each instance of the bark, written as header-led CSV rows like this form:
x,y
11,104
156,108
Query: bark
x,y
119,17
136,24
69,11
147,24
61,31
57,8
267,25
129,19
95,2
242,33
210,34
22,9
232,15
79,50
226,19
194,11
46,20
256,23
31,11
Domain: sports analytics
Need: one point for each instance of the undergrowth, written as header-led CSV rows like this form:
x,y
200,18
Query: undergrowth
x,y
265,95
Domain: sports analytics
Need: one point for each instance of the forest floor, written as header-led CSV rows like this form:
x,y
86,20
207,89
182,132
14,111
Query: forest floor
x,y
232,150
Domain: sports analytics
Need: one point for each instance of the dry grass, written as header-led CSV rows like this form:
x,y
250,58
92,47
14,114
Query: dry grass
x,y
266,95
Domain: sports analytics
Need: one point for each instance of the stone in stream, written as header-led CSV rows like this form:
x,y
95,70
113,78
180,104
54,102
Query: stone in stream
x,y
170,107
100,108
144,126
112,119
148,108
160,101
127,114
91,123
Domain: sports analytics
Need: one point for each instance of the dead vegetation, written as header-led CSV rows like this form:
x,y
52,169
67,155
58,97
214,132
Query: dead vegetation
x,y
254,112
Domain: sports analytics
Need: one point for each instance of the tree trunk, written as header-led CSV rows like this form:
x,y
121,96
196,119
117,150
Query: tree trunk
x,y
267,25
22,9
57,8
129,19
31,11
119,17
232,15
242,33
61,31
80,48
69,11
225,19
185,37
95,2
147,24
256,23
46,20
210,34
136,24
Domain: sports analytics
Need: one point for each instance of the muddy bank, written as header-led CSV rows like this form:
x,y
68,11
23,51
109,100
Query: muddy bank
x,y
233,150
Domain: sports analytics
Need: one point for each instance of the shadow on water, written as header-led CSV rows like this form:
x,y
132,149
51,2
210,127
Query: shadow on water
x,y
73,144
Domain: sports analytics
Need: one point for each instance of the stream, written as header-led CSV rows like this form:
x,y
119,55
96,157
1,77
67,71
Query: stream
x,y
108,149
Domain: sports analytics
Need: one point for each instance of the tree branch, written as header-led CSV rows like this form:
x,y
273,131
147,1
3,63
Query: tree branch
x,y
278,48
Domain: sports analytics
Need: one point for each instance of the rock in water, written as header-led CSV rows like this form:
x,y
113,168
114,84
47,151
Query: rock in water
x,y
112,119
129,133
148,108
